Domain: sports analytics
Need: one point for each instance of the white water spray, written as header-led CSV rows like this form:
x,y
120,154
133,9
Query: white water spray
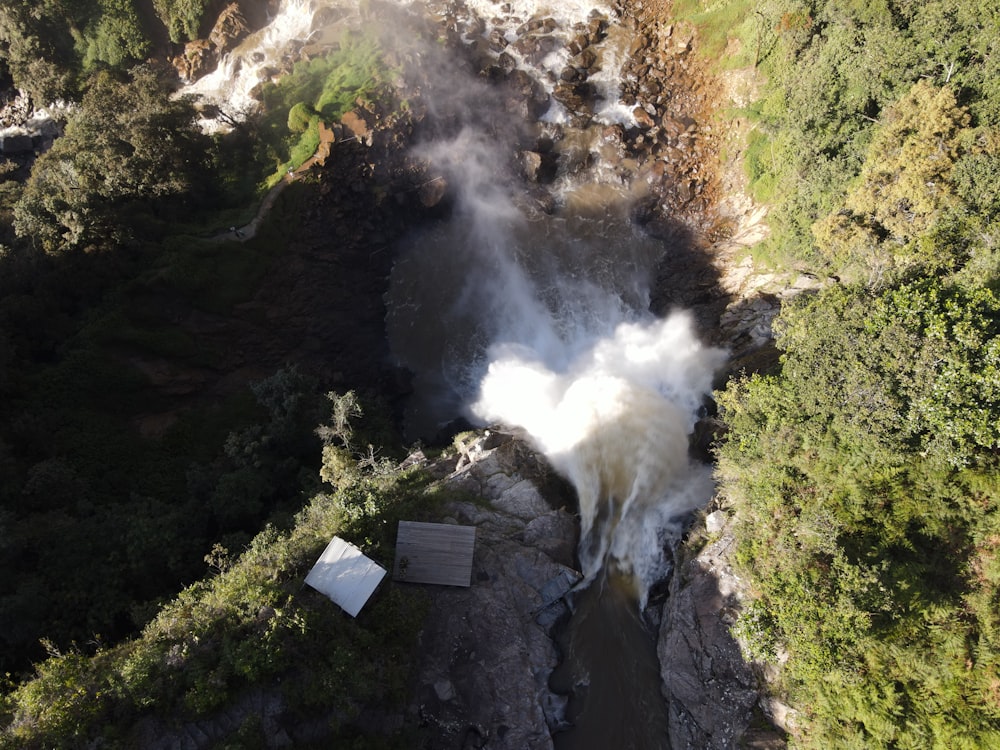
x,y
616,423
231,86
554,338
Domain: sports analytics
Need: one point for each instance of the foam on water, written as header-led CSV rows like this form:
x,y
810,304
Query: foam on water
x,y
555,338
616,423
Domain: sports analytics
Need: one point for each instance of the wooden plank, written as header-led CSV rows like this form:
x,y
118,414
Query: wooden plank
x,y
438,553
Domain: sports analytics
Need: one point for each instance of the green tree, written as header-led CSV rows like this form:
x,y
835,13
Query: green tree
x,y
181,17
37,45
863,480
129,143
114,36
904,188
300,117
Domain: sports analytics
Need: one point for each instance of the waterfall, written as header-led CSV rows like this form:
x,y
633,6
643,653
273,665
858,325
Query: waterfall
x,y
540,319
543,325
231,86
508,315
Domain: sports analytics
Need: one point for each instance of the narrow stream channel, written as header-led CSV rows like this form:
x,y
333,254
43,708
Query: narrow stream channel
x,y
610,669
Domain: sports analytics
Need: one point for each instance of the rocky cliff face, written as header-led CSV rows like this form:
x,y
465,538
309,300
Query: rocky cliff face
x,y
201,56
488,651
713,694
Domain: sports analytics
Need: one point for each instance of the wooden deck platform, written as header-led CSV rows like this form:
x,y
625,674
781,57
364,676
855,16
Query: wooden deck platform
x,y
438,553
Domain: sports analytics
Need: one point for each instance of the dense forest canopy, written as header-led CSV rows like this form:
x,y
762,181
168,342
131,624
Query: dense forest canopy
x,y
863,471
110,256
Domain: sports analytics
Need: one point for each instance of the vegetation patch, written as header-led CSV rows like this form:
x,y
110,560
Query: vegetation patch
x,y
251,623
863,474
321,89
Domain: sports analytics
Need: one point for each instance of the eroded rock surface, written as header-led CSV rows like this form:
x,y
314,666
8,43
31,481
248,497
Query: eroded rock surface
x,y
712,693
230,28
487,650
710,689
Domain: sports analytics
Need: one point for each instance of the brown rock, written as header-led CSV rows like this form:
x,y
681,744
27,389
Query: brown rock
x,y
230,28
586,59
432,192
531,163
506,62
358,126
198,58
671,127
498,42
569,74
639,44
642,118
597,28
613,134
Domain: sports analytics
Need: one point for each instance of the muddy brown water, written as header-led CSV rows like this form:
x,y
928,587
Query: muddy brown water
x,y
611,670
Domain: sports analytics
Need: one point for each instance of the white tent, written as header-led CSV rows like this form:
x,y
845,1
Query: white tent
x,y
345,575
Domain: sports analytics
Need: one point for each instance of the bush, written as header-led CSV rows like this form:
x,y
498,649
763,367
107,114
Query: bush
x,y
318,89
857,476
251,624
300,117
181,17
114,37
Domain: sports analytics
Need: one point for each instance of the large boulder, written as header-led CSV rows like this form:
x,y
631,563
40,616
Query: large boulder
x,y
230,28
198,58
201,56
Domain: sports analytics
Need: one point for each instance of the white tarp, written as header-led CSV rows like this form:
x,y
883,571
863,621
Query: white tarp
x,y
345,575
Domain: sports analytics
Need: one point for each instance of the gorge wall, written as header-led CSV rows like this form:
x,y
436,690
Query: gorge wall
x,y
646,137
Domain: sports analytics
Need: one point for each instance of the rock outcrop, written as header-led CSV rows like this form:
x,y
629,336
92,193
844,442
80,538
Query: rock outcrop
x,y
713,694
710,689
201,56
487,651
197,59
230,28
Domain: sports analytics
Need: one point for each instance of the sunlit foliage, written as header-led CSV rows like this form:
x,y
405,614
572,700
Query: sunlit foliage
x,y
864,481
128,142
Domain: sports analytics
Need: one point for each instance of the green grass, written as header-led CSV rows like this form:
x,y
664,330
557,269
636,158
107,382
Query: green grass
x,y
328,86
758,161
717,22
